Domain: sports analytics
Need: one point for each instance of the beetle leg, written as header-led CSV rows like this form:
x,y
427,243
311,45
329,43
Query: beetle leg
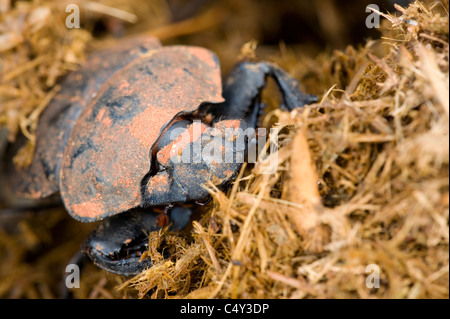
x,y
242,90
117,244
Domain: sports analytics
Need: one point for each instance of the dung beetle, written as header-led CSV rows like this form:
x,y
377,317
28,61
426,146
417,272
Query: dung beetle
x,y
111,141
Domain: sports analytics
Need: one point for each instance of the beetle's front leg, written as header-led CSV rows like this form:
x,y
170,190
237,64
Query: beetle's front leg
x,y
242,90
118,242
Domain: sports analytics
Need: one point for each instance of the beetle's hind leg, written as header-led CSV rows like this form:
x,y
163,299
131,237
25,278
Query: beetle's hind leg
x,y
242,90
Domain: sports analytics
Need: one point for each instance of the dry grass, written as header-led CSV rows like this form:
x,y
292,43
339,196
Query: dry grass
x,y
362,179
